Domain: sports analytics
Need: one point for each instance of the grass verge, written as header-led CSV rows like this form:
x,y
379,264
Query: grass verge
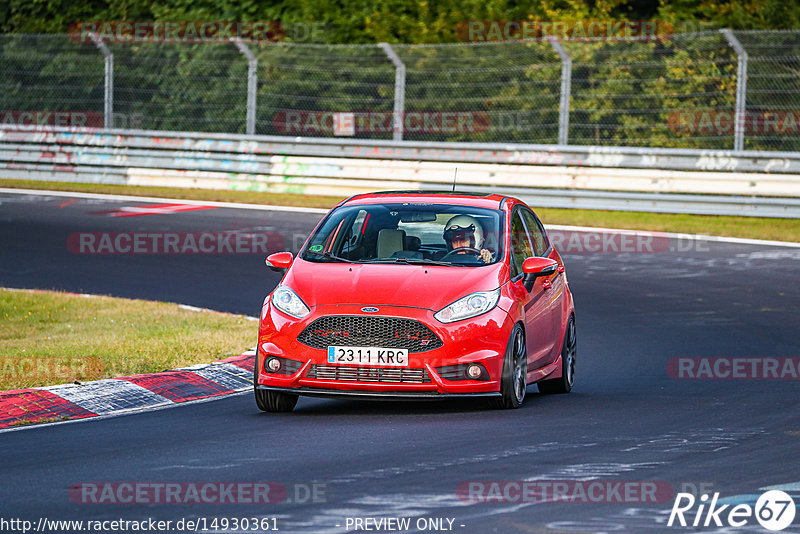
x,y
47,337
718,225
26,422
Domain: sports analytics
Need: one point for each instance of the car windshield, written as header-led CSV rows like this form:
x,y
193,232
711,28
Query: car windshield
x,y
409,233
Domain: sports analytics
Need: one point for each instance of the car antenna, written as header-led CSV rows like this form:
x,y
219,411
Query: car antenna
x,y
455,174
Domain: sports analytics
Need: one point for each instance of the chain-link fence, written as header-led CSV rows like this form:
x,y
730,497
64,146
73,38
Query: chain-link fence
x,y
709,90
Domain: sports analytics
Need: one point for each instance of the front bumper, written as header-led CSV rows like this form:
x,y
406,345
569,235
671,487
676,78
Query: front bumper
x,y
481,340
376,395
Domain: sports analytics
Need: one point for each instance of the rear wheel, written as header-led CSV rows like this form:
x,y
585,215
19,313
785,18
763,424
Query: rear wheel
x,y
271,401
564,383
515,373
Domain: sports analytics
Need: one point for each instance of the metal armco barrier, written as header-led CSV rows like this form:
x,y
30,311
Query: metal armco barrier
x,y
658,180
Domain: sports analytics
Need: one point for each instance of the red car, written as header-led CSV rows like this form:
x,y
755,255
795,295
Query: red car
x,y
418,295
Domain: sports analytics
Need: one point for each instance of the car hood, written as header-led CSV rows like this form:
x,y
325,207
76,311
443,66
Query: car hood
x,y
424,286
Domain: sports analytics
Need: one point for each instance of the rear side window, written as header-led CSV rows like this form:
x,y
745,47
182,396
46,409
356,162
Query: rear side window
x,y
355,234
520,244
537,233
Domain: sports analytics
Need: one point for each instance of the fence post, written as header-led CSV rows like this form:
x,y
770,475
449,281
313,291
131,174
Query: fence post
x,y
399,91
108,95
566,90
741,89
252,84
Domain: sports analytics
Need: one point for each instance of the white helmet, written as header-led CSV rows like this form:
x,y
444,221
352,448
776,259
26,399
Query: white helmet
x,y
464,223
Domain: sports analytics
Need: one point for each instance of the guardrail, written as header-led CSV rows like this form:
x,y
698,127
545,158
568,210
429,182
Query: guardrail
x,y
659,180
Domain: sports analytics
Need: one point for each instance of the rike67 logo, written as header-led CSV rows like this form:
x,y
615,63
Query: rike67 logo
x,y
774,510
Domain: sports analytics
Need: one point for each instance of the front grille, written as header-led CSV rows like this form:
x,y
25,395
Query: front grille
x,y
362,331
394,375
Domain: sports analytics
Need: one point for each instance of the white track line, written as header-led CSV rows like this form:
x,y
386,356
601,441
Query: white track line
x,y
89,295
238,205
144,409
161,200
699,237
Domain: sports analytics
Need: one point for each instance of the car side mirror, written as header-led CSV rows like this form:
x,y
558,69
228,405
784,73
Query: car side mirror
x,y
279,261
536,267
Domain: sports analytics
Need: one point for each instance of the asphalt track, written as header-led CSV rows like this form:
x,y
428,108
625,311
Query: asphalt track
x,y
626,419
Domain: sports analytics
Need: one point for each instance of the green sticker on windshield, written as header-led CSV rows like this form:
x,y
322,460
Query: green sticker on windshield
x,y
315,248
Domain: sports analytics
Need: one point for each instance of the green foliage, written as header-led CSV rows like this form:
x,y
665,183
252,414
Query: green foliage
x,y
396,21
623,93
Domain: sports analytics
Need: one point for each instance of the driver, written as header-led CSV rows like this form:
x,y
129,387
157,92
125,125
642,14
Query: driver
x,y
465,232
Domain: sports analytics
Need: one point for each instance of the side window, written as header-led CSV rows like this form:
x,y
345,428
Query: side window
x,y
520,245
355,235
537,233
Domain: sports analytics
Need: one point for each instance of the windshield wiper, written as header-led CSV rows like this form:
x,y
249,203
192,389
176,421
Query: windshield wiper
x,y
334,257
415,261
409,261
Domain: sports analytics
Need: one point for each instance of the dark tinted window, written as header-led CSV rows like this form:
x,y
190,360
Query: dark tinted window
x,y
536,231
520,244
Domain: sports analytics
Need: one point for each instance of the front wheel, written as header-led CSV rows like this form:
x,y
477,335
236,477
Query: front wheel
x,y
515,373
271,401
568,352
275,401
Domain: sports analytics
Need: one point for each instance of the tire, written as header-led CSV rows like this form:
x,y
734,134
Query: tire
x,y
271,401
515,373
564,383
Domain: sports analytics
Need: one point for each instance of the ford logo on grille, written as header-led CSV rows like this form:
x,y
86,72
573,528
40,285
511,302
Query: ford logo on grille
x,y
369,309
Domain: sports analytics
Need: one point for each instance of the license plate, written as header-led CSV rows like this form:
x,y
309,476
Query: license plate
x,y
368,356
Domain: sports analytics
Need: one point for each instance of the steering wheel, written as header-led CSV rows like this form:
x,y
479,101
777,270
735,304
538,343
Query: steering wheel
x,y
459,250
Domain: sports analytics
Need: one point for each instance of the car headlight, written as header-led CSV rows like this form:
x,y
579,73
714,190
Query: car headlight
x,y
289,303
469,306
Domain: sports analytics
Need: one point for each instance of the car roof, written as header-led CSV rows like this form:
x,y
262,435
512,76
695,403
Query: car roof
x,y
461,198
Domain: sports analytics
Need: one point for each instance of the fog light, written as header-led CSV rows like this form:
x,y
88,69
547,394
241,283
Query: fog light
x,y
474,371
274,365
